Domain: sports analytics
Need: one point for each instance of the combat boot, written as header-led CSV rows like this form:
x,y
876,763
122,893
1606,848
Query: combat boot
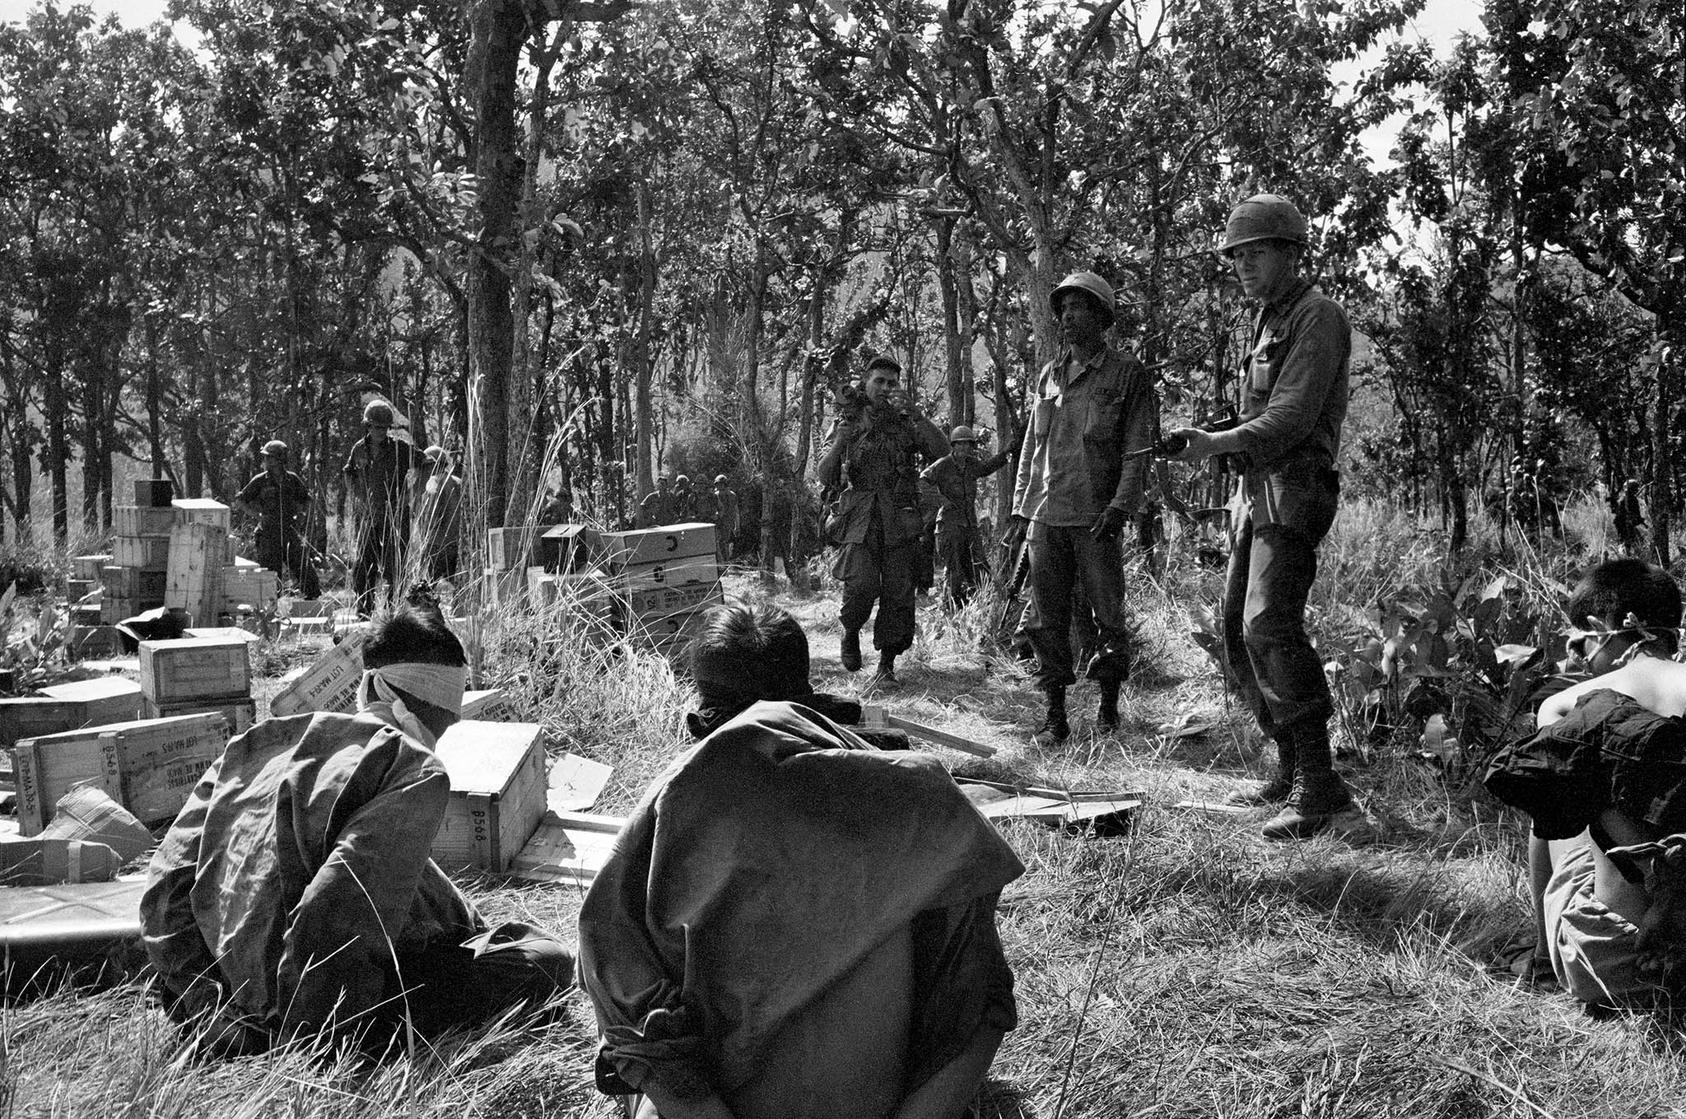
x,y
1054,729
851,652
1106,716
886,668
1281,783
1318,799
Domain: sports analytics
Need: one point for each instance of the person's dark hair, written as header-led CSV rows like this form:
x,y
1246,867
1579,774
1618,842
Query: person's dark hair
x,y
746,654
416,633
1619,587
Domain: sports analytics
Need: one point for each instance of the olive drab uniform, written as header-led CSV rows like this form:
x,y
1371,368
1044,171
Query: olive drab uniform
x,y
874,458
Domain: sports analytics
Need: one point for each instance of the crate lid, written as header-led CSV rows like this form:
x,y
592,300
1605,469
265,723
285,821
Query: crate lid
x,y
482,757
222,638
100,687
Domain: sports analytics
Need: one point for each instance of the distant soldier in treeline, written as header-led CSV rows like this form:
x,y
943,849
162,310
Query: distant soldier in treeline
x,y
281,502
1629,515
440,521
658,505
955,477
377,474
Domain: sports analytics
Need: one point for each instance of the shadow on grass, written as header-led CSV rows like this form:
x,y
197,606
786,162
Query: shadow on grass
x,y
1001,1100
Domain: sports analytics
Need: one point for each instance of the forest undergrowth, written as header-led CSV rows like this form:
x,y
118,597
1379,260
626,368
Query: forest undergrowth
x,y
1187,969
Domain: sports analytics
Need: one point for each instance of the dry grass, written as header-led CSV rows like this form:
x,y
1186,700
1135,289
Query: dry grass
x,y
1187,970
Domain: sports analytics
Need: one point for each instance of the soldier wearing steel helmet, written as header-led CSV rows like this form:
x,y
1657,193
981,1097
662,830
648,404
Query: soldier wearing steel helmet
x,y
377,474
874,460
1082,473
280,501
1294,400
955,477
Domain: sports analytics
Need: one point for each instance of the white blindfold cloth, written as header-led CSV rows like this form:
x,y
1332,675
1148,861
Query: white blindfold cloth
x,y
438,684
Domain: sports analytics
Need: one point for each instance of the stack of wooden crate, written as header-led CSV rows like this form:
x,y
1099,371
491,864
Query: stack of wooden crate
x,y
149,766
509,553
195,675
133,580
198,552
664,580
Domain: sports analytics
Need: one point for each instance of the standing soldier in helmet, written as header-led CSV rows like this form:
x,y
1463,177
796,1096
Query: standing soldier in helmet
x,y
377,474
725,517
873,458
1082,474
1294,400
955,476
280,501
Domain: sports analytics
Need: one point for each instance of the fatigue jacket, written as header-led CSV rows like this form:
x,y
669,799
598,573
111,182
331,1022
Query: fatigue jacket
x,y
1294,400
874,457
1085,419
957,482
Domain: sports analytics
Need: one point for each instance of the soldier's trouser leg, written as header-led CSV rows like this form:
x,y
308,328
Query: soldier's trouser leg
x,y
1053,570
859,568
365,571
1100,573
892,630
1276,670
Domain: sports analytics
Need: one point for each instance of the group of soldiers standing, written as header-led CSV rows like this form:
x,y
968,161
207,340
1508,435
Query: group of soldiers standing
x,y
676,501
1091,430
387,479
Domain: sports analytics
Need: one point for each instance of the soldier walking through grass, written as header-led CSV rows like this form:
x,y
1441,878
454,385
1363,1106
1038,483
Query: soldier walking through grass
x,y
1294,401
1082,472
874,457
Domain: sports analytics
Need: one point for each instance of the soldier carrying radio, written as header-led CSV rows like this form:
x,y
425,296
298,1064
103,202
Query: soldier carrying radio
x,y
873,451
1294,400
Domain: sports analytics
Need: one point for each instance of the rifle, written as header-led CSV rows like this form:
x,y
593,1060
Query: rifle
x,y
1015,569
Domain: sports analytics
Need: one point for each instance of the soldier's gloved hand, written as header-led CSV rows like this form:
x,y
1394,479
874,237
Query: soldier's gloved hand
x,y
1108,525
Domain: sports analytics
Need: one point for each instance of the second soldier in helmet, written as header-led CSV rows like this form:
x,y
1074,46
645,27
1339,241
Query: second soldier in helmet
x,y
1081,479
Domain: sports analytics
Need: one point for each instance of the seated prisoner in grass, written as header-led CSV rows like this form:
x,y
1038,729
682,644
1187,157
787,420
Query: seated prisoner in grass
x,y
294,896
795,925
1604,780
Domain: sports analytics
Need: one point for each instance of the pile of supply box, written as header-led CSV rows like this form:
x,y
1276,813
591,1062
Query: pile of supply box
x,y
652,584
170,552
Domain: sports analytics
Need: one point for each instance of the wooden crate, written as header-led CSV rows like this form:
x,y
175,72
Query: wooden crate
x,y
154,493
148,766
142,520
510,549
571,548
197,551
95,641
88,567
329,684
145,553
75,590
672,573
72,706
195,668
659,545
240,714
131,583
86,613
202,511
489,706
653,603
506,588
498,791
257,587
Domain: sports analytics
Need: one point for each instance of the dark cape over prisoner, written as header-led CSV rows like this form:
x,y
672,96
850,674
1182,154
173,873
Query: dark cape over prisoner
x,y
759,872
295,891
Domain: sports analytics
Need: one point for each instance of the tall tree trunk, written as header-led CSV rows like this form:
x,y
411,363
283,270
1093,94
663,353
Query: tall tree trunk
x,y
1662,468
948,286
58,444
643,416
967,307
498,29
